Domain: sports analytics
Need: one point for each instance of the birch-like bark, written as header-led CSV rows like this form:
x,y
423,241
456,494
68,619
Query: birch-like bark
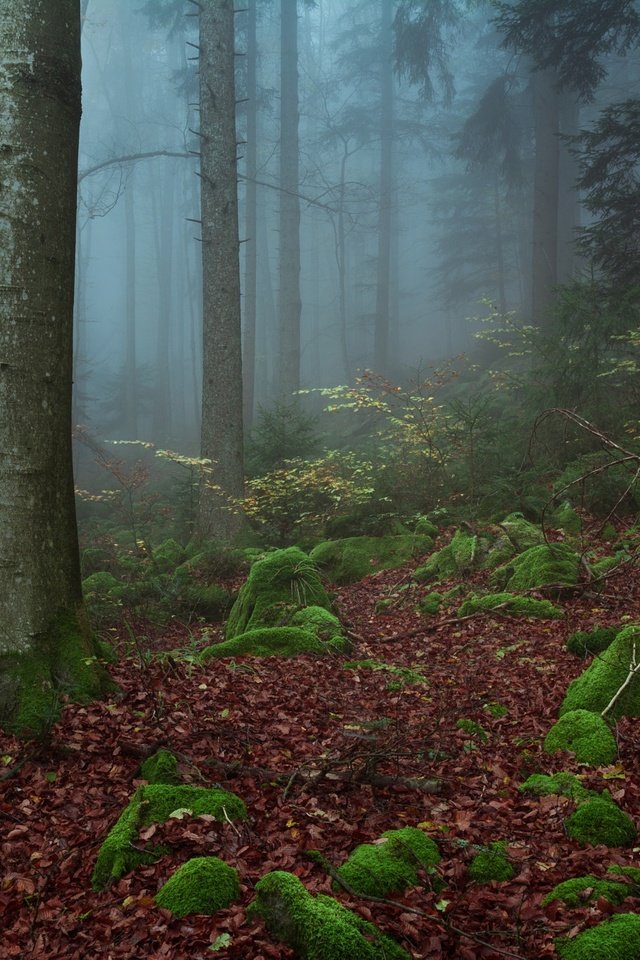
x,y
222,347
44,641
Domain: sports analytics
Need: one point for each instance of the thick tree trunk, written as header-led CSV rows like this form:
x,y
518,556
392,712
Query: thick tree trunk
x,y
222,347
383,276
568,197
545,200
45,645
290,304
251,249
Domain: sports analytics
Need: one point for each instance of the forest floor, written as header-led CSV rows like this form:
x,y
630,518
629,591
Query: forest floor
x,y
58,802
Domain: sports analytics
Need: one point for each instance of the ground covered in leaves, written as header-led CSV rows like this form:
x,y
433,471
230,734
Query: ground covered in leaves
x,y
325,728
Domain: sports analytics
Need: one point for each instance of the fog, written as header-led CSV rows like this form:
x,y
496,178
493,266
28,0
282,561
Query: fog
x,y
457,202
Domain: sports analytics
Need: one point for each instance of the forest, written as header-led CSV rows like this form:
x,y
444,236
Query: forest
x,y
319,479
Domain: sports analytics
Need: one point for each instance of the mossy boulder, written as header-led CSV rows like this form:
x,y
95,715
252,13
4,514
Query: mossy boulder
x,y
582,890
510,604
562,784
430,605
586,643
162,767
323,624
351,559
515,535
168,556
318,928
544,566
600,821
586,735
458,557
615,939
202,885
594,689
213,560
275,642
277,587
390,865
491,863
121,850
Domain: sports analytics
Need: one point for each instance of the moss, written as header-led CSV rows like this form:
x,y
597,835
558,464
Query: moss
x,y
213,560
162,767
599,568
586,735
277,586
272,642
582,890
121,851
209,601
99,585
492,863
323,624
405,674
632,874
168,556
615,939
457,557
555,565
563,784
567,518
511,604
496,709
599,820
472,728
202,885
345,561
63,663
426,528
517,534
391,866
430,605
595,687
318,928
585,643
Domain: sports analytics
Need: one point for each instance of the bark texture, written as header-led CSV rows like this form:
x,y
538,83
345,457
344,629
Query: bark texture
x,y
44,639
222,348
383,273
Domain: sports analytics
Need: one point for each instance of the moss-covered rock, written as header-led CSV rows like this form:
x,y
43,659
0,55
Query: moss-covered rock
x,y
121,851
162,767
276,588
516,534
318,928
563,784
615,939
345,561
586,735
582,890
392,865
168,556
491,863
202,885
430,605
510,604
586,643
631,875
458,557
425,528
275,642
544,566
323,624
596,686
599,820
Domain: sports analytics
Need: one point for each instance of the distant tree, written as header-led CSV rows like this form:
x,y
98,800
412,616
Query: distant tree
x,y
46,650
222,401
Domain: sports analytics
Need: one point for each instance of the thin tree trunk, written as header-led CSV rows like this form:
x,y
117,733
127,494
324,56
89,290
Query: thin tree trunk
x,y
569,201
251,248
222,340
130,372
163,235
383,274
545,200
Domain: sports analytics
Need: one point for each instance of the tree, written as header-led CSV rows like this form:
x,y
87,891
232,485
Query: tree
x,y
222,433
46,649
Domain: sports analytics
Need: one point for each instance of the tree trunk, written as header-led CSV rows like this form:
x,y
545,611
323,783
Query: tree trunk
x,y
290,304
568,196
45,644
222,343
545,195
383,277
250,275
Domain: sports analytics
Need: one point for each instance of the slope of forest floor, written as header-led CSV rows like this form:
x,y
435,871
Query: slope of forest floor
x,y
58,803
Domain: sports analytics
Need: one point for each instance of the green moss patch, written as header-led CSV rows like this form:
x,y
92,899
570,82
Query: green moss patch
x,y
351,559
168,556
582,890
563,784
405,675
202,885
276,588
318,928
274,642
323,624
162,767
491,863
472,728
391,865
512,605
430,605
460,556
595,687
586,643
516,534
599,820
586,735
614,939
555,565
121,851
